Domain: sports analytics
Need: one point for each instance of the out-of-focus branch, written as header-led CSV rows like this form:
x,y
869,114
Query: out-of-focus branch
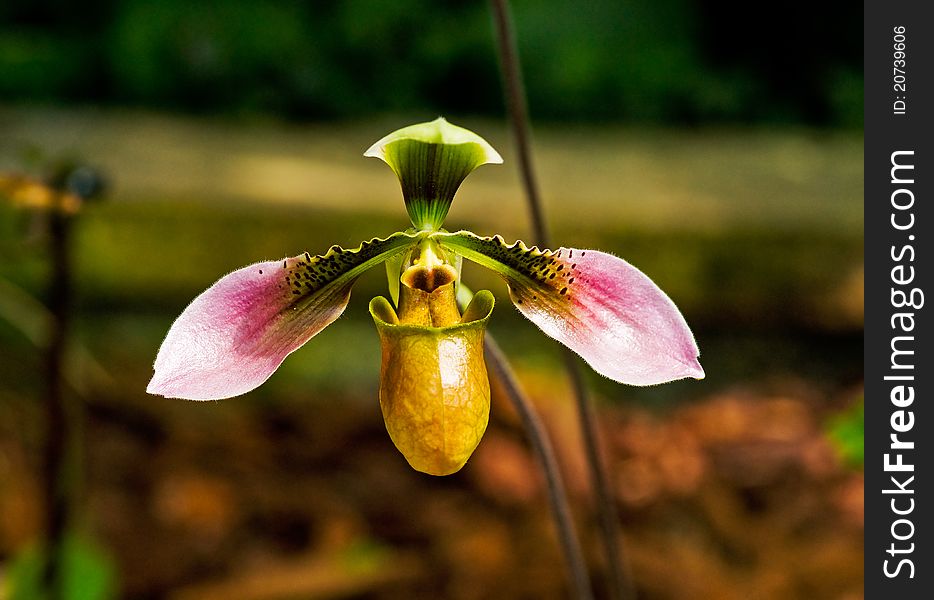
x,y
620,586
518,114
82,371
538,437
58,429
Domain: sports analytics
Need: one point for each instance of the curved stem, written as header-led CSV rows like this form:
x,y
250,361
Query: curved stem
x,y
538,438
621,584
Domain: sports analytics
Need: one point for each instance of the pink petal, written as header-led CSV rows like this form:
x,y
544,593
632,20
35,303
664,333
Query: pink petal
x,y
234,335
612,315
596,304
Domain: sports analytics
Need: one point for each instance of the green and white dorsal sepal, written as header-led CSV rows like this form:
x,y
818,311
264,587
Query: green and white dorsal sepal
x,y
431,161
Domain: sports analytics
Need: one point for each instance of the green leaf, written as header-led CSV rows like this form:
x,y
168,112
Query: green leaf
x,y
87,572
846,431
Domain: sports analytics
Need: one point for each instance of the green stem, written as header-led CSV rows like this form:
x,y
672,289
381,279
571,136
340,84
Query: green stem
x,y
621,586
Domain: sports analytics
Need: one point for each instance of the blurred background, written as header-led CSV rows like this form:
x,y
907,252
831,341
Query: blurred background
x,y
718,150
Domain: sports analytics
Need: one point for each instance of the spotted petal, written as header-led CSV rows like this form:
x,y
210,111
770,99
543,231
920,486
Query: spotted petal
x,y
234,335
596,304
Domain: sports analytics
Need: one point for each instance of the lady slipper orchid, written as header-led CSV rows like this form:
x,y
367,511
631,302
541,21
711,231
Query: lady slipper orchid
x,y
434,391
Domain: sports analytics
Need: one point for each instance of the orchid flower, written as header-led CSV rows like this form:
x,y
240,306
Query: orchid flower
x,y
434,391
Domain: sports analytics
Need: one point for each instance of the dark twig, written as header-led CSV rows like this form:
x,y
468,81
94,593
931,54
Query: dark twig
x,y
621,586
58,430
621,580
538,438
518,113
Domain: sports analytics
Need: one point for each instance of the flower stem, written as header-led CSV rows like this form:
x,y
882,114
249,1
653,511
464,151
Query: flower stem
x,y
621,587
557,497
58,430
518,112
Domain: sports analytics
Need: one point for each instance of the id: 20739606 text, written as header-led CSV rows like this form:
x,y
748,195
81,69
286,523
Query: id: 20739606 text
x,y
900,69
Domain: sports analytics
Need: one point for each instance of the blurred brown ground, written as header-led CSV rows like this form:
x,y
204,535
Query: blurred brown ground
x,y
739,495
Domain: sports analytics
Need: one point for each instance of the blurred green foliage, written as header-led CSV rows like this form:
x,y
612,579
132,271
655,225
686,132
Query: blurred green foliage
x,y
88,573
680,61
846,431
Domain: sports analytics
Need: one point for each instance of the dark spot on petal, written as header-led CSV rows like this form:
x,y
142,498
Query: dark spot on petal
x,y
583,254
570,281
260,271
552,276
564,291
571,254
560,267
296,292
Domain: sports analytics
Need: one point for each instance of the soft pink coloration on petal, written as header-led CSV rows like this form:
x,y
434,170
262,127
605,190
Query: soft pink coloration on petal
x,y
613,315
596,304
233,336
